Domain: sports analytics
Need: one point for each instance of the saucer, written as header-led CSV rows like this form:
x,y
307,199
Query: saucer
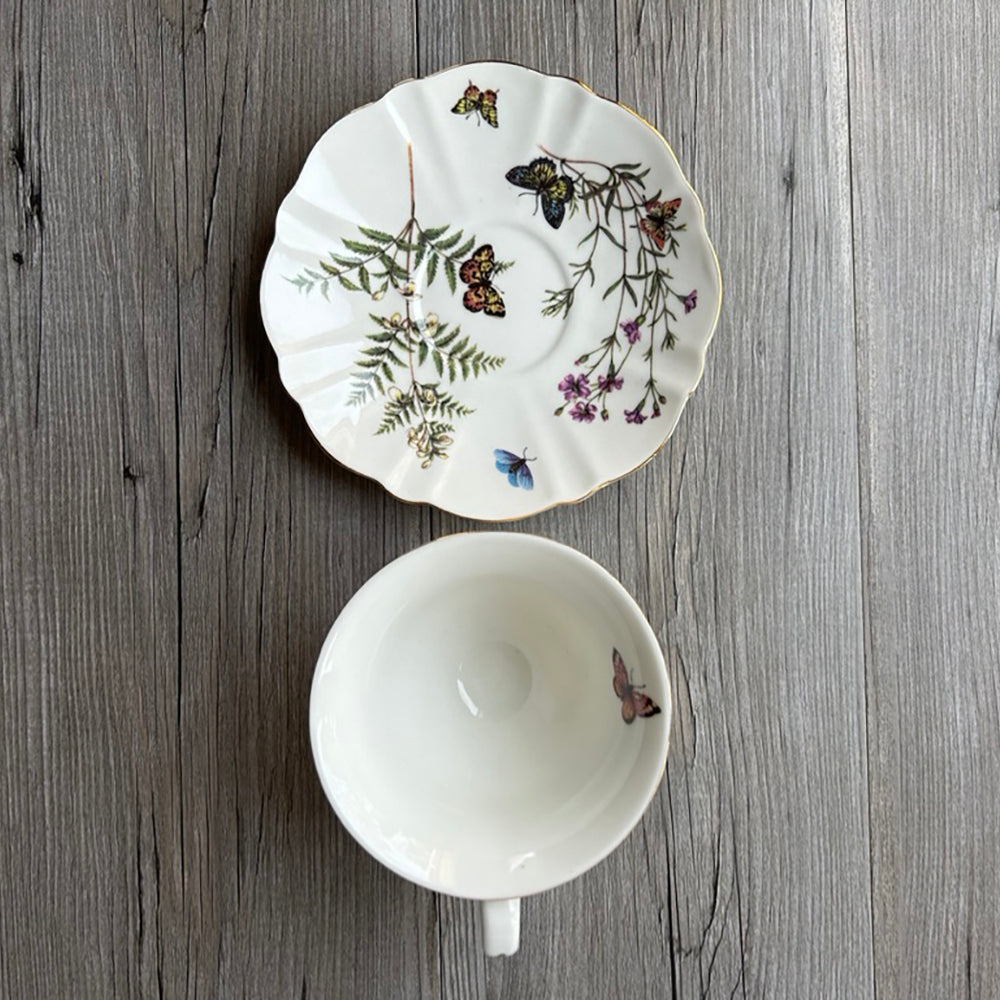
x,y
491,291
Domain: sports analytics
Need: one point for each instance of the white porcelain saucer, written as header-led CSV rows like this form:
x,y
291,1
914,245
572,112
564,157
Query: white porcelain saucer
x,y
491,290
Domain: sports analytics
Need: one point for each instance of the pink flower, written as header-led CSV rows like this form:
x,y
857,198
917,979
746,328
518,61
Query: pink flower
x,y
583,412
574,385
631,329
608,383
634,416
690,300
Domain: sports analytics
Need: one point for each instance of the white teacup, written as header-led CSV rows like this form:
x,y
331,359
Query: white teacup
x,y
469,725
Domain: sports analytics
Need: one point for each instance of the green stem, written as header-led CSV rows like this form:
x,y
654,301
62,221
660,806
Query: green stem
x,y
408,230
621,297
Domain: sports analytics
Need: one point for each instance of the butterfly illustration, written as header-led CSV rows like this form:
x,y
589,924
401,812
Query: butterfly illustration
x,y
483,101
659,214
552,189
476,272
515,468
634,702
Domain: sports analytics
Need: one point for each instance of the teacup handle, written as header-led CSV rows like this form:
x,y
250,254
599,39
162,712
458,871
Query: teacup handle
x,y
501,926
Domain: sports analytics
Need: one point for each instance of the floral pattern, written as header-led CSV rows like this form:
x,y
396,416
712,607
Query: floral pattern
x,y
573,386
641,232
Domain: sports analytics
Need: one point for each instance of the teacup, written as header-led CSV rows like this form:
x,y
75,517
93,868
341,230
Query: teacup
x,y
489,717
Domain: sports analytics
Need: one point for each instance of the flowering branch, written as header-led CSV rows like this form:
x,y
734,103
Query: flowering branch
x,y
615,202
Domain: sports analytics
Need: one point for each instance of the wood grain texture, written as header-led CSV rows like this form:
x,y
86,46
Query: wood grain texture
x,y
818,548
926,171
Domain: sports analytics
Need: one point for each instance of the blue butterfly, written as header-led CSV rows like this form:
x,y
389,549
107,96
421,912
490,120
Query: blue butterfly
x,y
515,468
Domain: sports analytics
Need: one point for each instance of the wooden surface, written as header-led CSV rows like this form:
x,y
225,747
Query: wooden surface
x,y
818,548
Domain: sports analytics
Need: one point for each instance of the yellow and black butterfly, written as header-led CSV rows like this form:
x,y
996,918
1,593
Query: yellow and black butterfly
x,y
483,101
552,189
477,272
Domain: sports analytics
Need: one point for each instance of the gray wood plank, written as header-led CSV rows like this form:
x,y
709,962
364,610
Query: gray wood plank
x,y
926,157
87,529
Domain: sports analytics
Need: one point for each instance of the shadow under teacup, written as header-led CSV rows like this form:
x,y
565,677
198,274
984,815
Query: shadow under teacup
x,y
489,717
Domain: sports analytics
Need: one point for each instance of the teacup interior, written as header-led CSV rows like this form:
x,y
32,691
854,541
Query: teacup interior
x,y
464,718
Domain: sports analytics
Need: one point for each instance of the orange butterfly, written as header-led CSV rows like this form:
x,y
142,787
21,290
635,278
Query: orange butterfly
x,y
634,702
476,272
659,215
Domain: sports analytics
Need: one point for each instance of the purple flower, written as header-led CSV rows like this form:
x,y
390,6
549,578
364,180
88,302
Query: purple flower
x,y
656,410
631,329
634,416
583,412
690,300
574,385
608,383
